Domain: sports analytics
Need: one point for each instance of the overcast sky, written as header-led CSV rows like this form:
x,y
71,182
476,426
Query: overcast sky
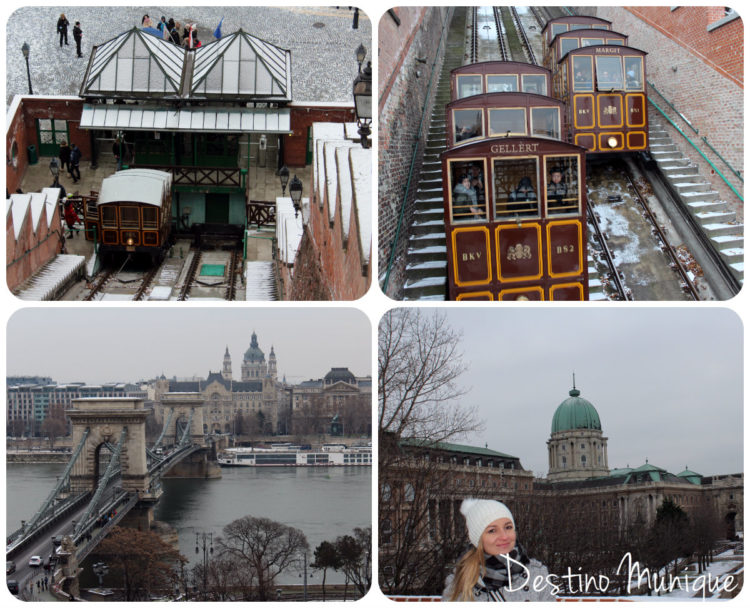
x,y
96,345
666,382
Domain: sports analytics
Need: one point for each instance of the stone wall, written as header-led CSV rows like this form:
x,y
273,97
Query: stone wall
x,y
403,94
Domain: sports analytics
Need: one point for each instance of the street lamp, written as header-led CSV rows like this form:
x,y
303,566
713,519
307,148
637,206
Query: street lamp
x,y
362,92
100,569
25,50
295,191
284,177
208,549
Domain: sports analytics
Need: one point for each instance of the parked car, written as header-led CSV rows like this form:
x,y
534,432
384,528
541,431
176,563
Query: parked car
x,y
10,567
13,586
35,561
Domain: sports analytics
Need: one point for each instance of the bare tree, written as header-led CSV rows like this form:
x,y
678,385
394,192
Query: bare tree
x,y
53,427
419,364
265,547
355,558
145,563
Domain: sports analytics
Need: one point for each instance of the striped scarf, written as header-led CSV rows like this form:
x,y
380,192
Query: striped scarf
x,y
497,576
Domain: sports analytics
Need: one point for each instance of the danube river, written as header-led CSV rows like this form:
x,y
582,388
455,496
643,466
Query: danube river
x,y
323,502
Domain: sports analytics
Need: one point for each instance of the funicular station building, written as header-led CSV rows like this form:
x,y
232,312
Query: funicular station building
x,y
204,114
221,118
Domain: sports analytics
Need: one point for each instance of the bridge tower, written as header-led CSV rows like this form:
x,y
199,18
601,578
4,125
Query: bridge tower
x,y
181,409
106,419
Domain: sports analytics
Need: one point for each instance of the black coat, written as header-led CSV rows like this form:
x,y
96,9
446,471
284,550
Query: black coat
x,y
62,25
77,32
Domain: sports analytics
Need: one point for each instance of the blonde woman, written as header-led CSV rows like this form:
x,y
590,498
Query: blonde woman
x,y
497,568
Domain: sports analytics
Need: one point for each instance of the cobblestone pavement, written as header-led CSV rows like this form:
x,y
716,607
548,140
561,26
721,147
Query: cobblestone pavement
x,y
321,39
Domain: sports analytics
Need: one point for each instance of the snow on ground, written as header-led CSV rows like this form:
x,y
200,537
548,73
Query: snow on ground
x,y
321,39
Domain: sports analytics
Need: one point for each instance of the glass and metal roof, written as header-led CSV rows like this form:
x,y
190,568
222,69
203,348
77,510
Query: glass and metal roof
x,y
193,119
237,67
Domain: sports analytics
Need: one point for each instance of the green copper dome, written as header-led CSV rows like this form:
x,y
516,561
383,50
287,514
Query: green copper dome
x,y
254,354
575,413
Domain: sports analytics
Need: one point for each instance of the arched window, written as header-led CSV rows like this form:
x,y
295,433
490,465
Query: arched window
x,y
409,493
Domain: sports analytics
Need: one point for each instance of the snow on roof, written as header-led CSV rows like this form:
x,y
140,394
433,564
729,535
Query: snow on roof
x,y
18,208
331,171
52,276
361,168
259,281
288,229
345,190
38,203
136,185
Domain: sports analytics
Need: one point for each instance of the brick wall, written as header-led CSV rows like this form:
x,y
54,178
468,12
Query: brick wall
x,y
32,250
685,64
301,119
401,100
22,132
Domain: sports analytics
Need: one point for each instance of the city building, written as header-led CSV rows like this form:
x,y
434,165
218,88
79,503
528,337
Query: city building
x,y
259,403
30,404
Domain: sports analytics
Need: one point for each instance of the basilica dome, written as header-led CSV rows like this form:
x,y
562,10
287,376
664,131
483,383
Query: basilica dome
x,y
575,413
254,354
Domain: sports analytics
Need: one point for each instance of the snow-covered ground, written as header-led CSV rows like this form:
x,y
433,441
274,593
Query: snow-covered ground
x,y
321,39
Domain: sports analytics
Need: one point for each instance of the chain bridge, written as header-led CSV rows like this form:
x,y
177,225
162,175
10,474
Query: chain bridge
x,y
112,477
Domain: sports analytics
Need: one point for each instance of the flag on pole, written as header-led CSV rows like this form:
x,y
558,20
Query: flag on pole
x,y
217,31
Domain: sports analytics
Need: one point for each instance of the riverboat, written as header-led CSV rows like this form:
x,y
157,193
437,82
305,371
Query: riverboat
x,y
326,456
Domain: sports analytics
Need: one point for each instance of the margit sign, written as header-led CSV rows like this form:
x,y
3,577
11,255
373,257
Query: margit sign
x,y
581,583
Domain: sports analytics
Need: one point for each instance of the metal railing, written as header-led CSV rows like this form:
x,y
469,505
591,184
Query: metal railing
x,y
687,121
417,140
692,143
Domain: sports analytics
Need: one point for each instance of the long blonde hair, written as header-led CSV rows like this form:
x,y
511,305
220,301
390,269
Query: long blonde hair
x,y
468,570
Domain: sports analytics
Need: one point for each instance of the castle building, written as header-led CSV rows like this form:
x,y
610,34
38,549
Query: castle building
x,y
577,448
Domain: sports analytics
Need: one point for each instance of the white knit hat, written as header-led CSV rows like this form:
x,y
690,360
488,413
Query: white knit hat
x,y
480,513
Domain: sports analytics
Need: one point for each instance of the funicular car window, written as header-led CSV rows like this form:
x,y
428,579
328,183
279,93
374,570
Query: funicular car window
x,y
502,83
568,44
634,73
150,216
467,124
129,217
507,121
591,41
469,85
563,191
615,41
109,217
582,74
545,122
534,83
515,187
468,187
559,28
608,73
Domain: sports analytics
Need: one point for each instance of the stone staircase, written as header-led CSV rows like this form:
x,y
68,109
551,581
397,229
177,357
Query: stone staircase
x,y
718,221
426,262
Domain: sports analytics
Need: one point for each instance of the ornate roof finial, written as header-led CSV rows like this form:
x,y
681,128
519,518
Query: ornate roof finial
x,y
574,380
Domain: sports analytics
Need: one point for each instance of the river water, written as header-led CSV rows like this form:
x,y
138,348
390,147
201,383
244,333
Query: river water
x,y
323,502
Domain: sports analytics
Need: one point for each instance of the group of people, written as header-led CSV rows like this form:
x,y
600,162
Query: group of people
x,y
62,31
169,29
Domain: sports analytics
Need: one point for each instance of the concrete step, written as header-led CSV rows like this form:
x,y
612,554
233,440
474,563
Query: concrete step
x,y
432,288
708,206
426,254
427,240
728,241
687,186
733,255
719,217
718,229
738,269
696,196
428,227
